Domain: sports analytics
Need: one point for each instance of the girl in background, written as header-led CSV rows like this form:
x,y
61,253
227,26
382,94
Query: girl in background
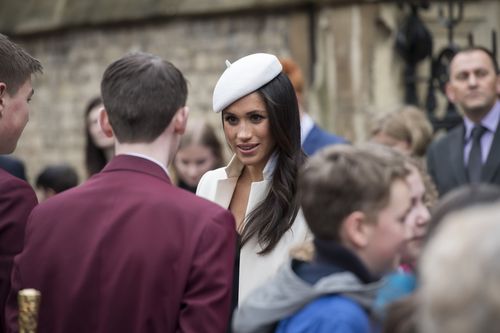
x,y
199,151
98,147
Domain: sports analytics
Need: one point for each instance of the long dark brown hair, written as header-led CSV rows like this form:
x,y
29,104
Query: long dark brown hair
x,y
277,212
95,157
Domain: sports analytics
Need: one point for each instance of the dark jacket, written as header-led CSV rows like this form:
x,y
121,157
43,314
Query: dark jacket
x,y
445,161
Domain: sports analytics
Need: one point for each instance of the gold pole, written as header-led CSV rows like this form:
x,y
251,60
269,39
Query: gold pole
x,y
29,302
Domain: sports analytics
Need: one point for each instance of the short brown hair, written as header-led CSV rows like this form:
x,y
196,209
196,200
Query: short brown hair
x,y
469,49
141,93
16,65
342,179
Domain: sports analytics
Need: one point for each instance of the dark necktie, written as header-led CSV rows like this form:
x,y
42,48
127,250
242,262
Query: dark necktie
x,y
475,157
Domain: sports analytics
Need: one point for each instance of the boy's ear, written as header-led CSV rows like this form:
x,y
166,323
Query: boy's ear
x,y
180,120
355,230
104,123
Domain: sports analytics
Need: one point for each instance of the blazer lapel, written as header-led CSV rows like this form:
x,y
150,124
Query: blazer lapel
x,y
493,161
224,191
258,192
457,156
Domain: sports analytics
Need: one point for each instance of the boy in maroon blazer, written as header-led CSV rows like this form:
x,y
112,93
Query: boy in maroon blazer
x,y
127,251
17,198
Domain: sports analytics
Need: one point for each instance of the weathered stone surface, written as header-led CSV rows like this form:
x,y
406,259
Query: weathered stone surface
x,y
356,71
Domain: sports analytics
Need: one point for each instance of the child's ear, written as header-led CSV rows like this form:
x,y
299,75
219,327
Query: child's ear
x,y
104,123
180,120
355,230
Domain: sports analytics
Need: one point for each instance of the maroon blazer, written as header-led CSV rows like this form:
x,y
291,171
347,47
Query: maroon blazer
x,y
17,200
128,252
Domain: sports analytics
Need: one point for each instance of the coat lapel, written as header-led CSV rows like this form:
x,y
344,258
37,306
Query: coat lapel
x,y
258,192
224,191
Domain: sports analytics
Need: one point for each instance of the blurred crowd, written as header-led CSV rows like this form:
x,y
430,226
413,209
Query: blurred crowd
x,y
299,230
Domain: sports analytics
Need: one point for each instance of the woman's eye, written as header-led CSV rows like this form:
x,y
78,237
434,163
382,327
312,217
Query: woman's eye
x,y
231,120
256,118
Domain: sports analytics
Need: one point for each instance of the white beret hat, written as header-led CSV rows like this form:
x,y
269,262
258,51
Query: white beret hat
x,y
243,77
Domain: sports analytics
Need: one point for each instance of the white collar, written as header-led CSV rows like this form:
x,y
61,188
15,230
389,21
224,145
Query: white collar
x,y
234,168
306,126
149,159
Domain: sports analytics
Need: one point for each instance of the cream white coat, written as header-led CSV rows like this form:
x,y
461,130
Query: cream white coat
x,y
218,186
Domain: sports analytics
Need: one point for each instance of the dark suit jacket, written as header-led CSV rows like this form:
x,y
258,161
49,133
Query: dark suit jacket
x,y
17,200
318,138
128,252
13,166
445,161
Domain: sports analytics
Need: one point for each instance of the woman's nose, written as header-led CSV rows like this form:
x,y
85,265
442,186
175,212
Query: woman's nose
x,y
244,131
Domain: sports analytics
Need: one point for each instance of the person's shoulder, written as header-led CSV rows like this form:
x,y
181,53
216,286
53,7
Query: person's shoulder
x,y
341,304
193,207
326,136
17,198
9,182
333,313
452,137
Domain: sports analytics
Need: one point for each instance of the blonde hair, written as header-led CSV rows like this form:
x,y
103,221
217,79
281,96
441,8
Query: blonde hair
x,y
460,274
408,124
200,132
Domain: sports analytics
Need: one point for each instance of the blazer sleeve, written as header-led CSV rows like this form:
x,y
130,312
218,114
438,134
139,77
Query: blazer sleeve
x,y
207,299
17,200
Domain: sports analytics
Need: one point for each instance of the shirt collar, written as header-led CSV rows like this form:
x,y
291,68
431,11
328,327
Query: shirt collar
x,y
306,125
149,159
489,121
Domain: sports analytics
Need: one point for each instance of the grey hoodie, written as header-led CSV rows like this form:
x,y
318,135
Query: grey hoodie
x,y
286,293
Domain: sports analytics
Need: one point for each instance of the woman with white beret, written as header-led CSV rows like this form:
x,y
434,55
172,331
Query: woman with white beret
x,y
261,124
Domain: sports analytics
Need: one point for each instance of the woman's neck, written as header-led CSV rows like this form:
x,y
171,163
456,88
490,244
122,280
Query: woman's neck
x,y
253,173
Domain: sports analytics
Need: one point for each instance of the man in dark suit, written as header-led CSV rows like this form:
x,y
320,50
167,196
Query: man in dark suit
x,y
470,153
17,198
128,251
13,166
312,136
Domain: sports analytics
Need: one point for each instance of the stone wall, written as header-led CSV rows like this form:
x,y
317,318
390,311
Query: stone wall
x,y
350,54
74,62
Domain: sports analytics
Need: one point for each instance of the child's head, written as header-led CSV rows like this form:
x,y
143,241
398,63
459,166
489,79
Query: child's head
x,y
421,197
406,129
462,197
357,198
418,218
199,151
56,179
460,274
